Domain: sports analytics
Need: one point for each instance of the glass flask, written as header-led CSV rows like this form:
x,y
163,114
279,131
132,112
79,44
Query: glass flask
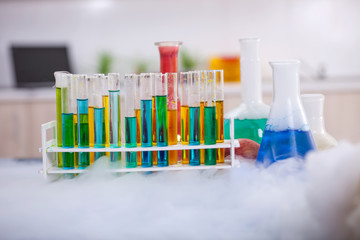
x,y
287,133
250,117
314,110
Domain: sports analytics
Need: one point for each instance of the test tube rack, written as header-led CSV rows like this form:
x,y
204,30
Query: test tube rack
x,y
49,150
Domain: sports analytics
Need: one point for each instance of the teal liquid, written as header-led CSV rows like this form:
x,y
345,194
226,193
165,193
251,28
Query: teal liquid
x,y
130,141
83,132
99,132
68,139
247,128
162,129
194,135
146,132
210,134
115,126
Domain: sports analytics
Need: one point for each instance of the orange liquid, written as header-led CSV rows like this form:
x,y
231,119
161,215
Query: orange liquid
x,y
154,130
138,134
220,155
185,133
172,135
201,119
76,155
91,133
105,102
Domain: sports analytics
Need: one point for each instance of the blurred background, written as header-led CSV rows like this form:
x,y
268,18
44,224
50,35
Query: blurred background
x,y
37,37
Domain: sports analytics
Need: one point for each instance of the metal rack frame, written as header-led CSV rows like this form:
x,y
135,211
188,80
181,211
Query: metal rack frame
x,y
49,149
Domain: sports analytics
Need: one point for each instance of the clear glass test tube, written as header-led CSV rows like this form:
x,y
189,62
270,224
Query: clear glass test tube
x,y
146,118
184,105
67,122
114,115
154,76
138,116
161,95
73,93
91,116
202,76
194,119
219,76
130,119
172,115
99,113
210,117
105,101
82,96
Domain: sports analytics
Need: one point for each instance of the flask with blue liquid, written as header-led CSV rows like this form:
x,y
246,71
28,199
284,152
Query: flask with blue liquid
x,y
287,133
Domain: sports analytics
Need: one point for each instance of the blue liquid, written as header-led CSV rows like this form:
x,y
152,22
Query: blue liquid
x,y
280,145
130,141
146,132
99,132
194,136
115,127
83,132
162,129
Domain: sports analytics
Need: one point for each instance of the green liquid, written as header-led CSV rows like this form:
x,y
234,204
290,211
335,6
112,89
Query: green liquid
x,y
130,141
247,128
59,126
68,139
210,134
84,157
162,129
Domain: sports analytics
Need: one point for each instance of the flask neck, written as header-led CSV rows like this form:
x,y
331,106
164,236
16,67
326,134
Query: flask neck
x,y
314,110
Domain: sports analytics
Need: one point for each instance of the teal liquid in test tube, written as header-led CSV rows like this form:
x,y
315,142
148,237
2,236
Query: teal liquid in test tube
x,y
115,120
161,118
210,117
130,119
83,119
146,94
99,114
194,115
67,123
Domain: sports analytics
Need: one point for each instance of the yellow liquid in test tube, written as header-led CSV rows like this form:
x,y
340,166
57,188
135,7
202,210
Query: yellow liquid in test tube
x,y
172,139
201,119
138,134
76,154
154,129
105,102
185,133
220,153
91,132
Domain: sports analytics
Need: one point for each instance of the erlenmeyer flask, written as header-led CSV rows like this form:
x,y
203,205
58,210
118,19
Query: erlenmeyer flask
x,y
287,133
250,117
314,109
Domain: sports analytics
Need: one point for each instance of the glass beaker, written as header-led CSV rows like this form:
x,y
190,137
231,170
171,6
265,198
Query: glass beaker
x,y
287,133
314,110
250,117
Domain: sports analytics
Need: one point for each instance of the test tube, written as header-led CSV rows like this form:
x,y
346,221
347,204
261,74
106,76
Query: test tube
x,y
184,105
202,76
210,117
60,84
219,76
115,120
91,116
105,101
161,118
138,116
73,94
194,111
67,122
154,76
130,119
83,118
99,113
171,79
146,118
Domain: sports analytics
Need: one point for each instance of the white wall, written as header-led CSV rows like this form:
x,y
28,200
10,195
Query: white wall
x,y
319,32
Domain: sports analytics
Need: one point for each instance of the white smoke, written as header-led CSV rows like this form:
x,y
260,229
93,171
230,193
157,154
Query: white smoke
x,y
288,200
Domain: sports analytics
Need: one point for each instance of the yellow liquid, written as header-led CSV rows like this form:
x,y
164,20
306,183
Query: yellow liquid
x,y
105,102
172,138
154,130
185,133
76,154
138,134
201,119
220,153
91,132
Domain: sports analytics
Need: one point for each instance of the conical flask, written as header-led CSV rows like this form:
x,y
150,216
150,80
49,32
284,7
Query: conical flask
x,y
287,133
314,110
250,117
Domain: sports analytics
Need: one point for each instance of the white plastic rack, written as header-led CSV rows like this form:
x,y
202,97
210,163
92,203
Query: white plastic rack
x,y
49,150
